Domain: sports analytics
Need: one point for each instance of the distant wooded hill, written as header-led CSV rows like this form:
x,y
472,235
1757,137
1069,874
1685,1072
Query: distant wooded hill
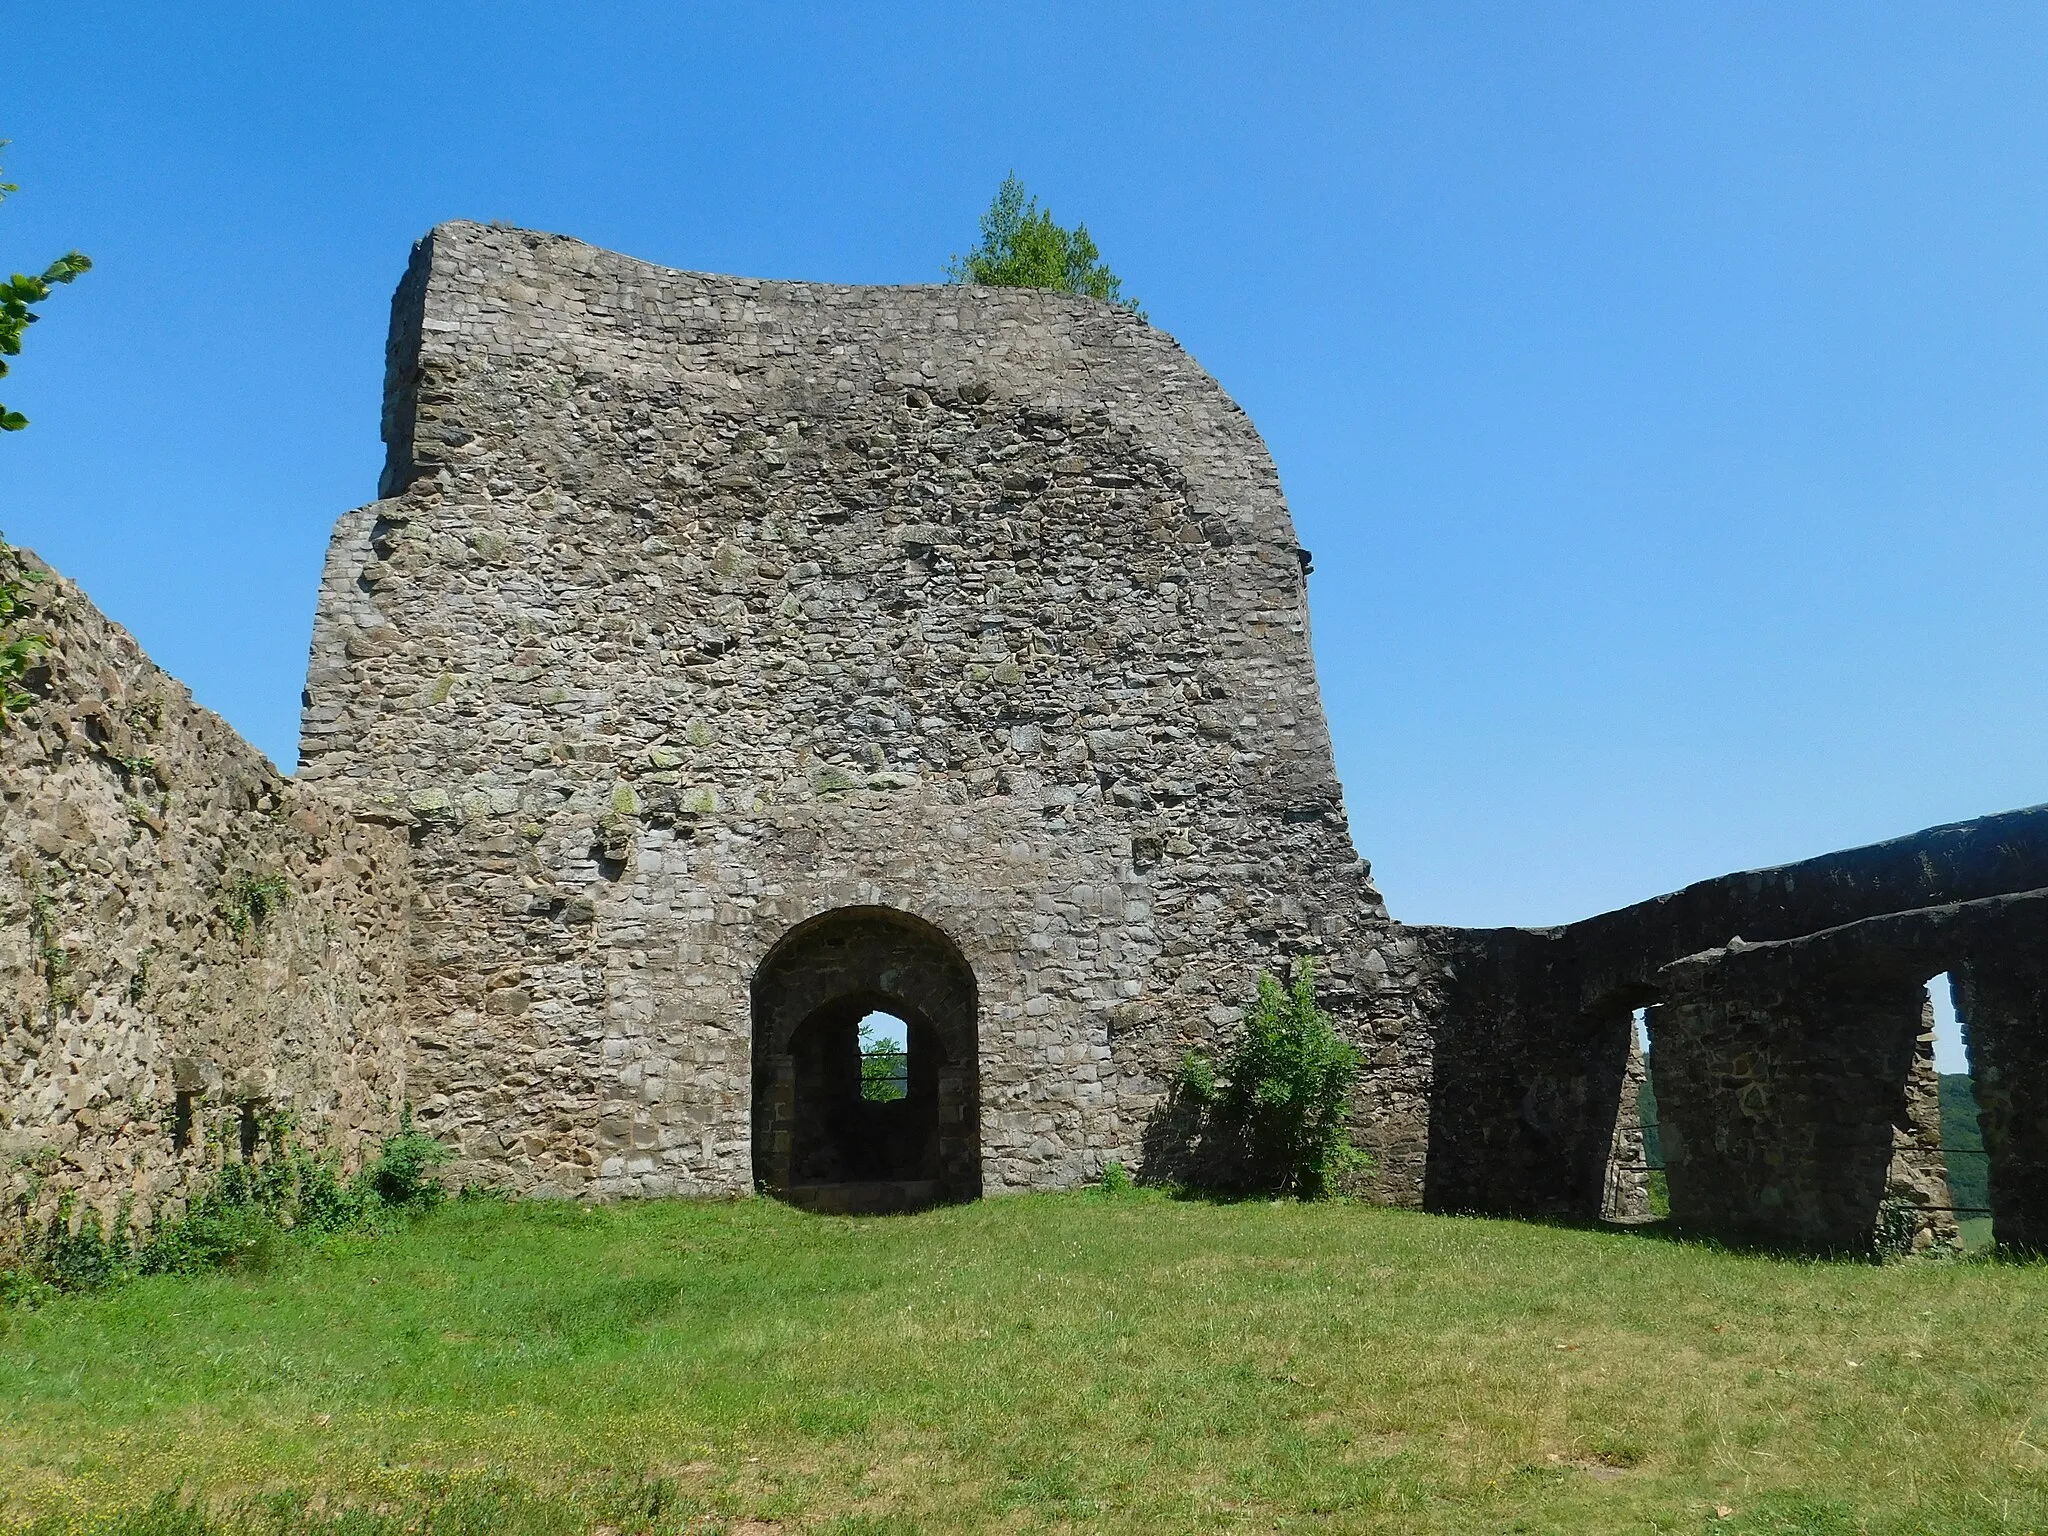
x,y
1969,1189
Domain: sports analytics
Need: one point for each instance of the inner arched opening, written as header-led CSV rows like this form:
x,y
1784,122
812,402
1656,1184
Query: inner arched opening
x,y
865,1089
884,1057
849,1127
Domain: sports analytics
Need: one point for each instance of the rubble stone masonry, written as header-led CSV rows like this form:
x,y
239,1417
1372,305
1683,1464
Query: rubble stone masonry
x,y
186,937
699,607
726,659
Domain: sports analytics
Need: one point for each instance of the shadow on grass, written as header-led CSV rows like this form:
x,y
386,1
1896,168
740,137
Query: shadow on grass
x,y
1673,1233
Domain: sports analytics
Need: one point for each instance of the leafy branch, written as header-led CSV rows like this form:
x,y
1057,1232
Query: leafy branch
x,y
18,651
18,295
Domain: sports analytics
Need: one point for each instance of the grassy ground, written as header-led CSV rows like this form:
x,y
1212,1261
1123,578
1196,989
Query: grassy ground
x,y
1078,1362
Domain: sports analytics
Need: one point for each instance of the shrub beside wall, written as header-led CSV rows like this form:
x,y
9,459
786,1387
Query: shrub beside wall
x,y
1282,1093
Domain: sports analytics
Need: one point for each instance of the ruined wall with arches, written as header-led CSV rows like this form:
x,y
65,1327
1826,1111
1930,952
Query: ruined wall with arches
x,y
698,610
1791,1041
726,660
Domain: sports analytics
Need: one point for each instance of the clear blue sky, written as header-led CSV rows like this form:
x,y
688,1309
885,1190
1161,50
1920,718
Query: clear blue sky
x,y
1661,388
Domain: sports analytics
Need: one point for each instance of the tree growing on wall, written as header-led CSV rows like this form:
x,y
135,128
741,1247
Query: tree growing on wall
x,y
18,296
18,650
1022,247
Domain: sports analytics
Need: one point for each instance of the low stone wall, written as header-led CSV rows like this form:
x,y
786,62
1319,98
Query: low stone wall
x,y
1532,1112
2002,995
187,939
1800,1106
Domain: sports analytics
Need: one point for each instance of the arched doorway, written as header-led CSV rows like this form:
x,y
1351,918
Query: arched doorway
x,y
819,1140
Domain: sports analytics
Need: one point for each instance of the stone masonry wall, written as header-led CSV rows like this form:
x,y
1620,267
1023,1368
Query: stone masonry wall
x,y
1795,1078
2001,991
179,924
1533,1098
697,607
1801,1108
1532,1033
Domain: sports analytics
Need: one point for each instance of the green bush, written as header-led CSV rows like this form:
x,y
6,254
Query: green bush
x,y
242,1219
1285,1087
403,1175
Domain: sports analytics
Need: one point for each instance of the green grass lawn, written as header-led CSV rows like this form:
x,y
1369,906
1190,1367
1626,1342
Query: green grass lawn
x,y
1077,1362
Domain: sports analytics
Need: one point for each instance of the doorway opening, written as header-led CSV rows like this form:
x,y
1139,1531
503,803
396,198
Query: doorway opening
x,y
866,1095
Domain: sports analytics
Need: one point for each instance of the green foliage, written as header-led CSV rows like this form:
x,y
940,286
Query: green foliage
x,y
17,296
62,1259
1021,247
1658,1188
42,931
18,650
1898,1222
50,957
241,1220
1651,1119
1962,1142
884,1069
251,898
1286,1084
1198,1078
403,1175
1116,1179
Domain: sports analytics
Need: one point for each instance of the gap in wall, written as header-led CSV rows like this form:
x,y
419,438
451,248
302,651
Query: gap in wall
x,y
1646,1110
1962,1142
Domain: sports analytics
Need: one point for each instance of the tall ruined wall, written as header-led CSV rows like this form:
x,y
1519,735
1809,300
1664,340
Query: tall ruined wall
x,y
698,607
182,932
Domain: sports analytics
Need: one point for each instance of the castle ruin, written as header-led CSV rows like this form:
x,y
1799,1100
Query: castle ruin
x,y
725,659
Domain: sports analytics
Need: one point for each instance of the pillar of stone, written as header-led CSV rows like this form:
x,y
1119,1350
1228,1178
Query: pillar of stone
x,y
2002,994
1529,1083
1626,1196
1796,1103
1915,1211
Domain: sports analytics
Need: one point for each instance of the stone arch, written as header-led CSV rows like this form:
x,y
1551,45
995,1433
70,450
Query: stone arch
x,y
817,1142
